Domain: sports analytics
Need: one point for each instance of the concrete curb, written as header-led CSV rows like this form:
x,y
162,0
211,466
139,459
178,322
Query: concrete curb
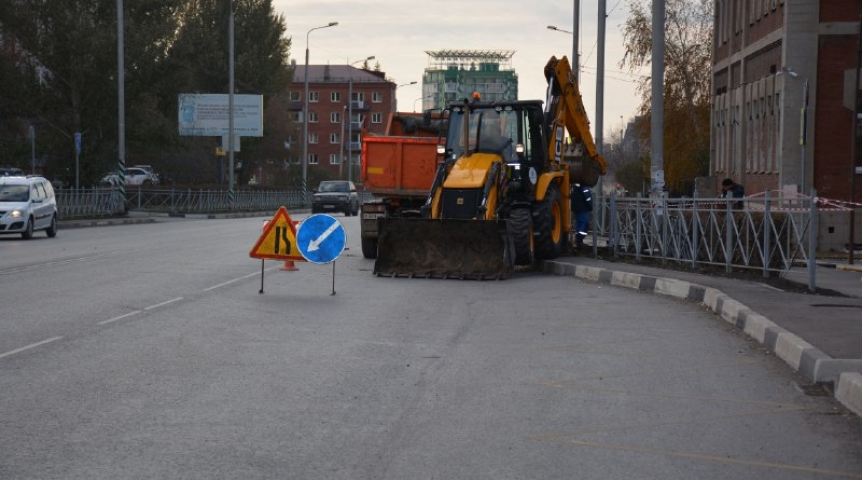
x,y
86,223
803,357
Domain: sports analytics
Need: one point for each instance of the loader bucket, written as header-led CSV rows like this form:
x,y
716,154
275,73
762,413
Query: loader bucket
x,y
464,249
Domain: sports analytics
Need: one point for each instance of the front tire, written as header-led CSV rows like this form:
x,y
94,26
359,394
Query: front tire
x,y
27,234
52,229
548,224
520,230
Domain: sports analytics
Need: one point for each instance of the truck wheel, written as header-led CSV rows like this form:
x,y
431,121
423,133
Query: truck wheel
x,y
520,229
369,247
548,225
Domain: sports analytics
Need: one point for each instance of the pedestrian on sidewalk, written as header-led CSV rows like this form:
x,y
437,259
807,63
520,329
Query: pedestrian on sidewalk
x,y
731,189
582,206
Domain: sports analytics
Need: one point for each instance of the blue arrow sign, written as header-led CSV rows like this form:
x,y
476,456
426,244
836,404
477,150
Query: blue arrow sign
x,y
320,238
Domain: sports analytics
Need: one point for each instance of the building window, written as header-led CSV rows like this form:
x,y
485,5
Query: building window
x,y
335,117
312,117
312,138
313,97
334,159
358,96
376,117
335,97
294,96
376,97
296,116
333,138
312,159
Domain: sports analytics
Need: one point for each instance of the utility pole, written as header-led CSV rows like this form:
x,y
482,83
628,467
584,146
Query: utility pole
x,y
230,138
657,101
121,104
576,20
600,78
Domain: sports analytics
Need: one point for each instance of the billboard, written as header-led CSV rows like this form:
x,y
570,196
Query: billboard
x,y
206,115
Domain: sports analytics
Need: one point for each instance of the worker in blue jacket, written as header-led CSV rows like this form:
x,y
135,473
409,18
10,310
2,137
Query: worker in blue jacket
x,y
582,206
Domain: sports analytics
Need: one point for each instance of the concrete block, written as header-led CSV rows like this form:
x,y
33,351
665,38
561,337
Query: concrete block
x,y
849,391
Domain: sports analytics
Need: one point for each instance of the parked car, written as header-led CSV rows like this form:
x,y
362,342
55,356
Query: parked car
x,y
156,178
11,172
27,204
336,196
135,177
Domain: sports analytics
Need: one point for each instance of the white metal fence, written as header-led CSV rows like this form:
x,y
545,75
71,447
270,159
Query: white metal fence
x,y
765,233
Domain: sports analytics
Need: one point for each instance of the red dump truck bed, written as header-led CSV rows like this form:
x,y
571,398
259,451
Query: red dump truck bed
x,y
398,166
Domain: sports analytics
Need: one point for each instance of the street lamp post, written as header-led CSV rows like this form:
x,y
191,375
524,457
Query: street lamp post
x,y
575,59
420,98
395,100
305,118
32,133
350,116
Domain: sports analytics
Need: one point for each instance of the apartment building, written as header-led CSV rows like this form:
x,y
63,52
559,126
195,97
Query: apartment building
x,y
342,99
785,96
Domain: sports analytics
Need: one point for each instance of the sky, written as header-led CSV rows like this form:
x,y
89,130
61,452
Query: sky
x,y
398,33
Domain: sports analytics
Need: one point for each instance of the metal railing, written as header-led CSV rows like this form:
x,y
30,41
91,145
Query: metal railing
x,y
103,202
765,233
88,203
211,201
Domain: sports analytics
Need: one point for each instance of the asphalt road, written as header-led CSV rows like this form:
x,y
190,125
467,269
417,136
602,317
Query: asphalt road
x,y
147,351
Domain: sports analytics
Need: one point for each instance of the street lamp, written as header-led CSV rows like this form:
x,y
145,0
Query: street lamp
x,y
305,119
551,27
575,57
420,98
350,116
395,100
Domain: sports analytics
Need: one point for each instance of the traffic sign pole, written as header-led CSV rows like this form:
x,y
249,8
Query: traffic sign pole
x,y
321,239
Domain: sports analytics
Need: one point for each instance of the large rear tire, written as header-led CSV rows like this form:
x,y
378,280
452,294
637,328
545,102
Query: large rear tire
x,y
548,225
520,230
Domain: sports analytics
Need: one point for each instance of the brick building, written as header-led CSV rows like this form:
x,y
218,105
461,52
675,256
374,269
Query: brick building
x,y
331,138
771,57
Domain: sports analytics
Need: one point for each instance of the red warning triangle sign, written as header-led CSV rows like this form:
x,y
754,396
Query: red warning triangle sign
x,y
278,241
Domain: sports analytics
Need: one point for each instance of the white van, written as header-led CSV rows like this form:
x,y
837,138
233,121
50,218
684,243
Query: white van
x,y
27,204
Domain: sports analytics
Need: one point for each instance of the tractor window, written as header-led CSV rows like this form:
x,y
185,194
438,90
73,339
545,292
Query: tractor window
x,y
491,130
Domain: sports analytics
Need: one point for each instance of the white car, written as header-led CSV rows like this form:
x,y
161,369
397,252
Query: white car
x,y
27,204
135,177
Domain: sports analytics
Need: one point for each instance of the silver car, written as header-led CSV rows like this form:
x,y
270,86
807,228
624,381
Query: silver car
x,y
27,204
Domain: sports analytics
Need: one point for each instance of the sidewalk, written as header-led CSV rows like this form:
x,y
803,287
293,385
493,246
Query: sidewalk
x,y
818,335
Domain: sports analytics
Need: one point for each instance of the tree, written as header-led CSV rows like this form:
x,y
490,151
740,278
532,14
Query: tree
x,y
60,74
688,39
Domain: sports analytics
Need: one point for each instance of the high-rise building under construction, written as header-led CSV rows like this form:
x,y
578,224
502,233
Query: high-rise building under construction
x,y
453,75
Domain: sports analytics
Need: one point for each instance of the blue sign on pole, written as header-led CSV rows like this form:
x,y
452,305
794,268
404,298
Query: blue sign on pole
x,y
78,143
320,238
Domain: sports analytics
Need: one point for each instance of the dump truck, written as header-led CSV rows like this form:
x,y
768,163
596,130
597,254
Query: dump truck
x,y
500,194
397,169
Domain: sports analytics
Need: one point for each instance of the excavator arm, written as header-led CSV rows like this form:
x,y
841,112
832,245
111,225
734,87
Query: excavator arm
x,y
564,112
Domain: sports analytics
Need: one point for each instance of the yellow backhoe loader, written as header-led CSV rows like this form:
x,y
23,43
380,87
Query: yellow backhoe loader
x,y
500,197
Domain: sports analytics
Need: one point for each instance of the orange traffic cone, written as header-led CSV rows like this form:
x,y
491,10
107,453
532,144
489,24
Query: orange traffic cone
x,y
288,264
